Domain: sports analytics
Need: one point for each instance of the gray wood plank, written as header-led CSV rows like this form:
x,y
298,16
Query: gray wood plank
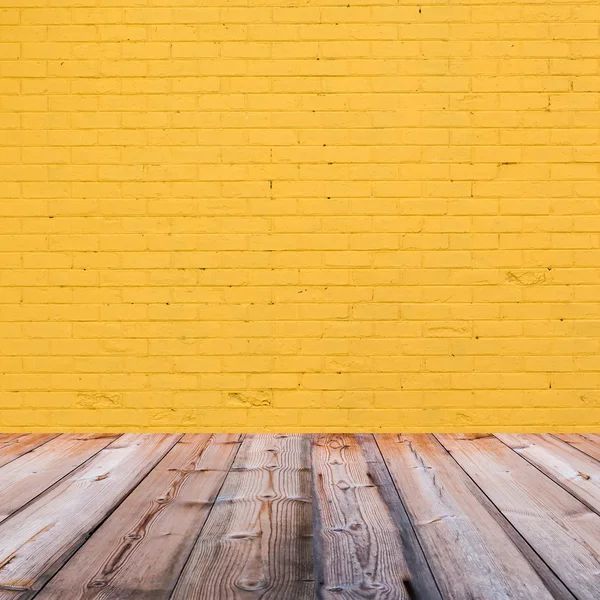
x,y
563,531
26,477
257,541
36,541
470,553
140,550
359,548
421,583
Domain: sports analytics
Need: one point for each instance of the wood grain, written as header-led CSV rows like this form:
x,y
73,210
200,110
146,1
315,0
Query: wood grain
x,y
421,583
257,541
7,439
358,547
26,477
581,442
470,554
13,446
501,517
570,468
140,551
563,531
36,541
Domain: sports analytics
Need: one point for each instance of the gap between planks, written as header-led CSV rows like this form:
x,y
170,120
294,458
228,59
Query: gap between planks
x,y
561,530
354,461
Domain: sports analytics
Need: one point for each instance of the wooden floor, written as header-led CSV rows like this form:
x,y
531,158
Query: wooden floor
x,y
286,517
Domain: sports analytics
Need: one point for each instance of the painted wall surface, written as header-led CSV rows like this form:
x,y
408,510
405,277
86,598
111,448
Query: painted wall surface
x,y
299,215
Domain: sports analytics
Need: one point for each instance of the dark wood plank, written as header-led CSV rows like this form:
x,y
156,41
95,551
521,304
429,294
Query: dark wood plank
x,y
570,468
36,541
581,442
563,531
455,529
359,549
257,541
141,549
421,583
26,477
13,446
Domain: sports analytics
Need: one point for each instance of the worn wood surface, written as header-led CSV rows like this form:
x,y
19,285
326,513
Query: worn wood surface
x,y
257,542
573,470
36,541
26,477
13,446
296,517
421,583
139,552
564,532
470,554
594,437
583,443
359,547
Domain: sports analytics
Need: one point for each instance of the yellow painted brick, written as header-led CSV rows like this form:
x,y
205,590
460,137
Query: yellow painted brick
x,y
265,217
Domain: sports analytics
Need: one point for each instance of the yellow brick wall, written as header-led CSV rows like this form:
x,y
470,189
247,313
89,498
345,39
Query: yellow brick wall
x,y
299,215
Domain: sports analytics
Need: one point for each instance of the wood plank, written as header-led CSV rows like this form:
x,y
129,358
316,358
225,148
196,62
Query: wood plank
x,y
358,549
36,541
570,468
257,540
582,443
455,529
26,477
421,583
13,446
562,530
141,549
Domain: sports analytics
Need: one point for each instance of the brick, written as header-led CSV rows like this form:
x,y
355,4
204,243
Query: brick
x,y
260,217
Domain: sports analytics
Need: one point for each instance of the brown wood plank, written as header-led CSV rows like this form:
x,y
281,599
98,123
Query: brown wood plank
x,y
141,549
8,438
421,583
470,553
36,541
13,446
359,551
257,541
582,443
26,477
570,468
562,530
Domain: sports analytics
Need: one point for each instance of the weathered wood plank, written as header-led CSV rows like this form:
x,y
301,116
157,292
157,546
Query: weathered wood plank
x,y
421,583
257,540
13,446
26,477
581,442
570,468
469,552
141,549
359,552
563,531
36,541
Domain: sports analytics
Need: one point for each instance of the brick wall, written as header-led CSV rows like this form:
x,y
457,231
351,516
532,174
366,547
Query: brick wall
x,y
301,214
